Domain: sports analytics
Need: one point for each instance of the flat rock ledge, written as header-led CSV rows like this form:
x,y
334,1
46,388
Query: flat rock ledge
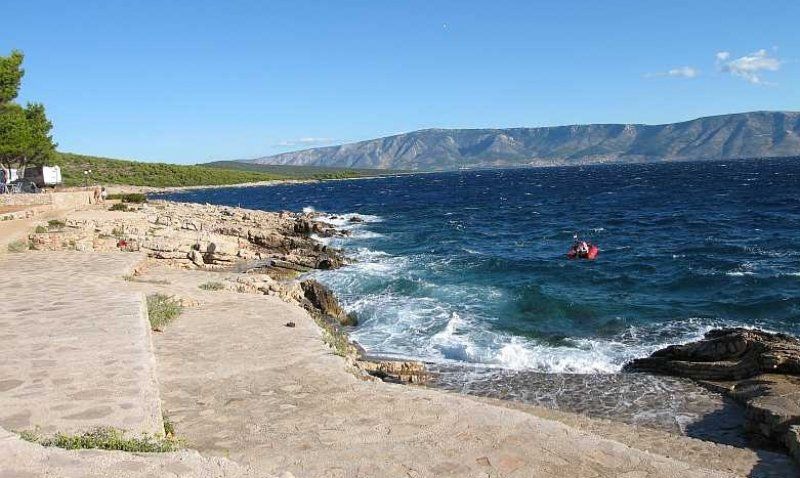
x,y
760,370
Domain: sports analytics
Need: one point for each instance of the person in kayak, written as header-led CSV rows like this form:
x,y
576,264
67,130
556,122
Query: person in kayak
x,y
582,249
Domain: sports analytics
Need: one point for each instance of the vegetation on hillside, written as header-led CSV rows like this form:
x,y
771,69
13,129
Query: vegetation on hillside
x,y
300,172
133,173
25,132
116,171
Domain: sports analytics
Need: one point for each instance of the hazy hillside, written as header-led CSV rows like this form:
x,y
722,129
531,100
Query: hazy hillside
x,y
744,135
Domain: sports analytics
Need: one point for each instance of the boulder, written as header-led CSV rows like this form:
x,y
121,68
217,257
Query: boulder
x,y
726,354
404,371
197,258
323,300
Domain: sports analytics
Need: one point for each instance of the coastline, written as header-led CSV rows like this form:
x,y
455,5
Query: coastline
x,y
128,189
238,383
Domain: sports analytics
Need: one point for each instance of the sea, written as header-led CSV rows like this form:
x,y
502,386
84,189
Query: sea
x,y
467,270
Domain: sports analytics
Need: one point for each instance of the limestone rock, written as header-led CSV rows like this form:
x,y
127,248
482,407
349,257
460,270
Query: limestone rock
x,y
758,369
407,371
197,258
322,299
726,354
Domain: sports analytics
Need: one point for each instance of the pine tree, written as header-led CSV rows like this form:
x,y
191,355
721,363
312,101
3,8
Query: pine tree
x,y
25,133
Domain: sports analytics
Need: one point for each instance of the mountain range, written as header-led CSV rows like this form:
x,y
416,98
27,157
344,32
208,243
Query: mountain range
x,y
733,136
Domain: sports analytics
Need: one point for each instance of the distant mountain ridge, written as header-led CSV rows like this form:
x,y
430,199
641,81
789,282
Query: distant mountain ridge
x,y
733,136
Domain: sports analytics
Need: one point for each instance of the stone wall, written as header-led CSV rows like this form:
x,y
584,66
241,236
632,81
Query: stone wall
x,y
59,200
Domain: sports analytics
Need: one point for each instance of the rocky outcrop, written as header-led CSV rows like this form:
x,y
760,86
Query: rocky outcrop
x,y
400,371
322,299
758,369
203,236
726,354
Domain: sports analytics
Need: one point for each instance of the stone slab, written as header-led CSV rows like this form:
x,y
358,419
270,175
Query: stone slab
x,y
75,348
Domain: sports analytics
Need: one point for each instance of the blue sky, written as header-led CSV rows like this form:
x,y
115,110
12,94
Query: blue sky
x,y
192,81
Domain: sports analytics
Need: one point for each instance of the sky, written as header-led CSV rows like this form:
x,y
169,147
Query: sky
x,y
196,81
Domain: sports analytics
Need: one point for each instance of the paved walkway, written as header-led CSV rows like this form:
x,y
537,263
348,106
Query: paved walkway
x,y
75,349
238,383
20,459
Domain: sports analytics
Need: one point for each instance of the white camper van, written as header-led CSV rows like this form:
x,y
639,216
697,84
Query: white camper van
x,y
44,176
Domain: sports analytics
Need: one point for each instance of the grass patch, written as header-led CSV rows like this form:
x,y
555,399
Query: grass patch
x,y
40,229
212,286
18,246
162,309
169,427
55,224
132,278
119,207
105,438
130,198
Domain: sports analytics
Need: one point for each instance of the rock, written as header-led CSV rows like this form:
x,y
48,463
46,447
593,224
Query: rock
x,y
197,258
725,354
303,226
758,369
322,299
164,221
356,219
407,371
792,442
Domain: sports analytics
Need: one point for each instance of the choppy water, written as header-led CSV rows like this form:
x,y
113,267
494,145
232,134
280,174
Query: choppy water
x,y
468,267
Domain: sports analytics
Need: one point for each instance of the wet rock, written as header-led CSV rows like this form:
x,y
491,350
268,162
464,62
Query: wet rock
x,y
322,299
726,354
758,369
356,219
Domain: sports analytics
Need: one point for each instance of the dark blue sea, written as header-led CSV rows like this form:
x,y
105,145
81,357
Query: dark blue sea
x,y
469,267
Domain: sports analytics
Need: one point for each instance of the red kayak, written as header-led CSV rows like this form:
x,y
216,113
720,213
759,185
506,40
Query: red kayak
x,y
590,255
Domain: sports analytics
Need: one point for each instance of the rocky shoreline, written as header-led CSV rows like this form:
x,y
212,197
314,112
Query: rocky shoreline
x,y
255,252
759,370
270,253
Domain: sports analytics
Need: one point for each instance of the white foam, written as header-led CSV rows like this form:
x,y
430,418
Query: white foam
x,y
345,220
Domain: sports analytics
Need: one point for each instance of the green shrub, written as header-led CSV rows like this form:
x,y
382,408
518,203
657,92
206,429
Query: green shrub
x,y
212,286
55,224
131,198
40,229
18,246
162,309
106,438
119,207
169,427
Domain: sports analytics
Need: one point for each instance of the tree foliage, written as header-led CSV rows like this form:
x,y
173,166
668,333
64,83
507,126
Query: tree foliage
x,y
25,133
11,73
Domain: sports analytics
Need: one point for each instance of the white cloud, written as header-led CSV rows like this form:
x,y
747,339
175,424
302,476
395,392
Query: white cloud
x,y
308,141
679,72
750,67
683,72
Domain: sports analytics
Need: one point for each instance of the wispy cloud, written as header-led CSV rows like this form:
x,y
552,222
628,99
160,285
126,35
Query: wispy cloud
x,y
750,67
679,72
301,142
